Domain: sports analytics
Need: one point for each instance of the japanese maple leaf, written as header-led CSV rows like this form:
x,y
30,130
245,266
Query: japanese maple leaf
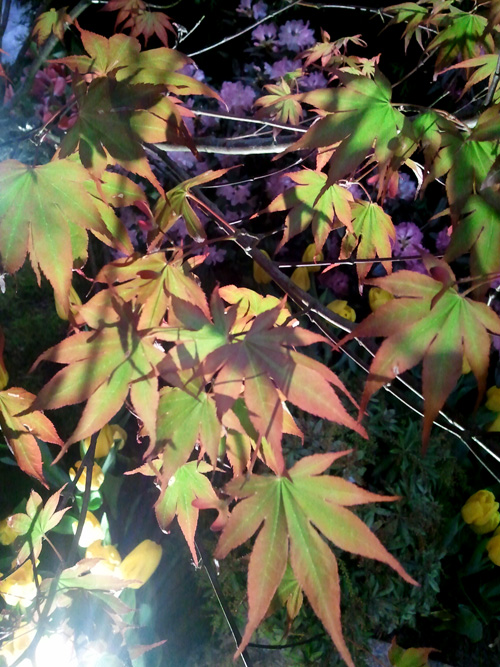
x,y
44,210
289,513
35,523
430,321
373,232
125,9
21,432
187,417
260,362
146,23
51,22
279,103
152,280
313,202
359,115
486,66
463,34
413,16
187,485
103,366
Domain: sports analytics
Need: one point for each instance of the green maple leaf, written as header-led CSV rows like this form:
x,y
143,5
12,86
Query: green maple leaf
x,y
189,484
21,432
44,211
373,232
36,522
430,321
486,66
290,513
413,15
313,202
280,104
479,232
410,657
102,367
464,35
359,116
258,361
187,417
51,22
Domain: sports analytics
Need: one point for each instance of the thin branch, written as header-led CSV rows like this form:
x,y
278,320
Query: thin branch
x,y
254,121
242,32
219,146
493,84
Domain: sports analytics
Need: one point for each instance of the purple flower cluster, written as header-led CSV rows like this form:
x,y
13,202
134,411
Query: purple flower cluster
x,y
296,36
408,243
238,97
257,10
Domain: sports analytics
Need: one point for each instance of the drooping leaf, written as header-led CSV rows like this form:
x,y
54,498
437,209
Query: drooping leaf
x,y
373,232
280,105
21,432
289,513
313,202
188,484
125,9
430,321
147,24
414,15
36,522
486,66
41,209
464,34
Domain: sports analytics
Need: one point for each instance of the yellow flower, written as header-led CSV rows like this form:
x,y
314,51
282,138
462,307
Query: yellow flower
x,y
7,534
110,558
141,563
342,308
301,278
495,425
92,530
74,300
493,547
259,275
11,649
109,435
377,297
481,512
19,587
311,255
493,400
97,477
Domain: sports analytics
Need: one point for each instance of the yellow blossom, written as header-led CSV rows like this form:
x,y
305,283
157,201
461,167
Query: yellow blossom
x,y
493,399
259,275
7,534
15,645
377,297
495,425
109,555
342,308
19,587
481,512
109,436
301,278
97,477
311,255
92,530
493,547
141,563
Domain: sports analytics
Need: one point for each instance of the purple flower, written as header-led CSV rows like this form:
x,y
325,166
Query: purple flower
x,y
296,36
442,240
313,81
280,68
406,188
356,191
235,194
183,159
265,35
214,255
259,10
337,281
238,97
193,71
409,242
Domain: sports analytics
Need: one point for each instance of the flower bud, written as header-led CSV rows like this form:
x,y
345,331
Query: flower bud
x,y
301,278
109,436
481,512
97,477
377,297
110,558
342,308
493,399
141,563
493,547
19,587
92,530
311,255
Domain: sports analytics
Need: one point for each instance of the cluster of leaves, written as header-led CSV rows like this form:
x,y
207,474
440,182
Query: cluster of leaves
x,y
215,381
